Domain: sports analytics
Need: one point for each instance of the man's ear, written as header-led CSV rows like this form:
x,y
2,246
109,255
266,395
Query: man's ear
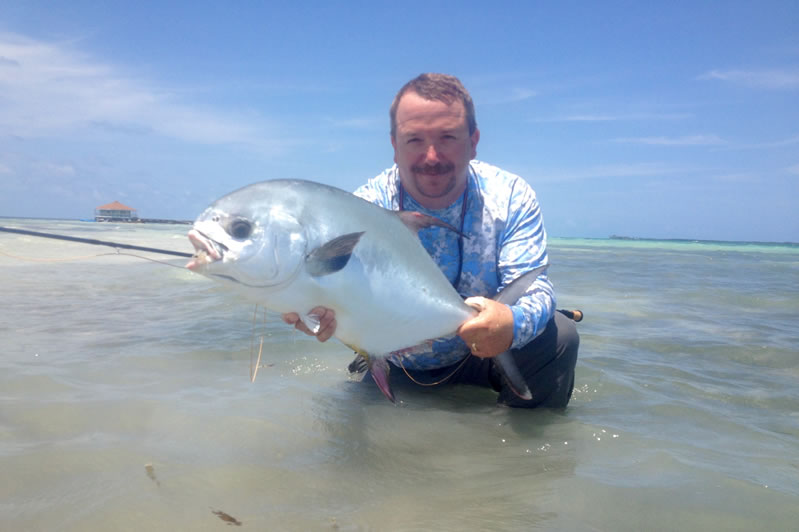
x,y
394,145
475,139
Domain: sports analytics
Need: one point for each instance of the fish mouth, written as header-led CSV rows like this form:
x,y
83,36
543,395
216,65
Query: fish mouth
x,y
206,249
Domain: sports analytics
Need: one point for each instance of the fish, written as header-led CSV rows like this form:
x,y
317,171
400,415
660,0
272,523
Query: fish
x,y
292,245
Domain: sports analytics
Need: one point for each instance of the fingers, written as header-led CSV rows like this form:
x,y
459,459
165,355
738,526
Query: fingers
x,y
478,303
326,318
290,317
491,331
327,323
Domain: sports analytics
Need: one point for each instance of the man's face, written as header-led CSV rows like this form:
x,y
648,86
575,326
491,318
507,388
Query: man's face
x,y
432,149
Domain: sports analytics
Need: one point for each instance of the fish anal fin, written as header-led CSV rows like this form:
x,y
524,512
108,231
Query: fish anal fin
x,y
504,362
379,368
415,221
333,255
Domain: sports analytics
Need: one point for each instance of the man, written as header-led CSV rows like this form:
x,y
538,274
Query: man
x,y
434,134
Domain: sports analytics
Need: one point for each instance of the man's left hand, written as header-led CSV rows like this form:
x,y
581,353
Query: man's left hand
x,y
491,331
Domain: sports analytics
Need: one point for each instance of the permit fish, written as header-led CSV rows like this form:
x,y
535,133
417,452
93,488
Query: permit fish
x,y
292,245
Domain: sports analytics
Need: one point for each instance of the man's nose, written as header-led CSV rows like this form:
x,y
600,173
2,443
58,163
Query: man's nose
x,y
431,154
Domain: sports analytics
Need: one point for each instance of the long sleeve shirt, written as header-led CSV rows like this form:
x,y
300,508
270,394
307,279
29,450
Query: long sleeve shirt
x,y
506,238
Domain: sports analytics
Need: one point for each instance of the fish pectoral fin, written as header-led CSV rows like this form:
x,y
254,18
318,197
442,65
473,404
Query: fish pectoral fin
x,y
379,368
359,366
416,220
510,372
333,255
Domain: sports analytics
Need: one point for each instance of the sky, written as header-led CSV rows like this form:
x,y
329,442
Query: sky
x,y
645,119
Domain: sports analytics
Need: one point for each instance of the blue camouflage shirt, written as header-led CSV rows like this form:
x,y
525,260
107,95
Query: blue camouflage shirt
x,y
506,239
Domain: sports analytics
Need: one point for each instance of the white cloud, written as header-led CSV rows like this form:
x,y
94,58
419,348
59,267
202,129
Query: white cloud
x,y
607,171
736,178
51,89
763,79
6,62
365,122
505,96
793,169
728,146
519,93
50,169
599,117
774,144
691,140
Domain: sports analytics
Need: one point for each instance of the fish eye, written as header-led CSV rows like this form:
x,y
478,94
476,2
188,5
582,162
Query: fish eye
x,y
240,229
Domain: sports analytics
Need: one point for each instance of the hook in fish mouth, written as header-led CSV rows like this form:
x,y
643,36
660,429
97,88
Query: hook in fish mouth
x,y
206,249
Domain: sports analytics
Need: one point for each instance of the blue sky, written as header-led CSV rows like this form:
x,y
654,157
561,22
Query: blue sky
x,y
650,119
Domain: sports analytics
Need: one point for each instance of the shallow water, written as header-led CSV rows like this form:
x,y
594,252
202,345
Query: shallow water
x,y
685,413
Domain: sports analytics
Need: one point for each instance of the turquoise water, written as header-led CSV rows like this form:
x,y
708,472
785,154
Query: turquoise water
x,y
126,403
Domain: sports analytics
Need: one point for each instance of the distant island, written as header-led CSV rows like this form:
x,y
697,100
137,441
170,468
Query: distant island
x,y
699,241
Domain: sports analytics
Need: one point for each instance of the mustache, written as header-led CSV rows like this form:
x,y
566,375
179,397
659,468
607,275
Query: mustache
x,y
433,169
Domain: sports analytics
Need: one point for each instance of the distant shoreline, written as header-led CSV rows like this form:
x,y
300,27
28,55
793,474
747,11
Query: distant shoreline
x,y
114,220
700,241
139,221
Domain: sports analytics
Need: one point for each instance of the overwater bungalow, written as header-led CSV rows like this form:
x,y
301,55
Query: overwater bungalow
x,y
115,212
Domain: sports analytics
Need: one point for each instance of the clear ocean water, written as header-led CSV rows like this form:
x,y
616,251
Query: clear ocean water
x,y
126,403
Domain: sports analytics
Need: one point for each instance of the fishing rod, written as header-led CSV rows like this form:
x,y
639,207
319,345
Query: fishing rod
x,y
576,315
93,241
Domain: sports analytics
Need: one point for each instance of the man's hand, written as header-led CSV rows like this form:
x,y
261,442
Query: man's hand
x,y
327,323
491,331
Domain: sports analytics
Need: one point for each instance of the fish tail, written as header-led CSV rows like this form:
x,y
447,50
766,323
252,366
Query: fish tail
x,y
510,371
504,361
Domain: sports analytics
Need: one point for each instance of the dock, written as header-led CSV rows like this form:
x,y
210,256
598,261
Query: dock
x,y
117,212
142,220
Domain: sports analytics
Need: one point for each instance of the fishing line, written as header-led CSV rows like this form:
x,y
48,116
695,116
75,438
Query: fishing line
x,y
94,242
68,259
117,246
436,383
254,369
84,257
144,258
464,210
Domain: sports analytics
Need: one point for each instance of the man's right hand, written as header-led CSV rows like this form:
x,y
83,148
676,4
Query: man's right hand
x,y
327,323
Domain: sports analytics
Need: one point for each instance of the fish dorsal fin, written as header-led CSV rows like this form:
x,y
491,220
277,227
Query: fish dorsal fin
x,y
415,221
333,255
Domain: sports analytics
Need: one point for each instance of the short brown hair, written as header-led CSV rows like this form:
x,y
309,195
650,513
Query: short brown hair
x,y
440,87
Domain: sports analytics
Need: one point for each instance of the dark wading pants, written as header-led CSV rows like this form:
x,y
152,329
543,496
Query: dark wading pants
x,y
547,364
